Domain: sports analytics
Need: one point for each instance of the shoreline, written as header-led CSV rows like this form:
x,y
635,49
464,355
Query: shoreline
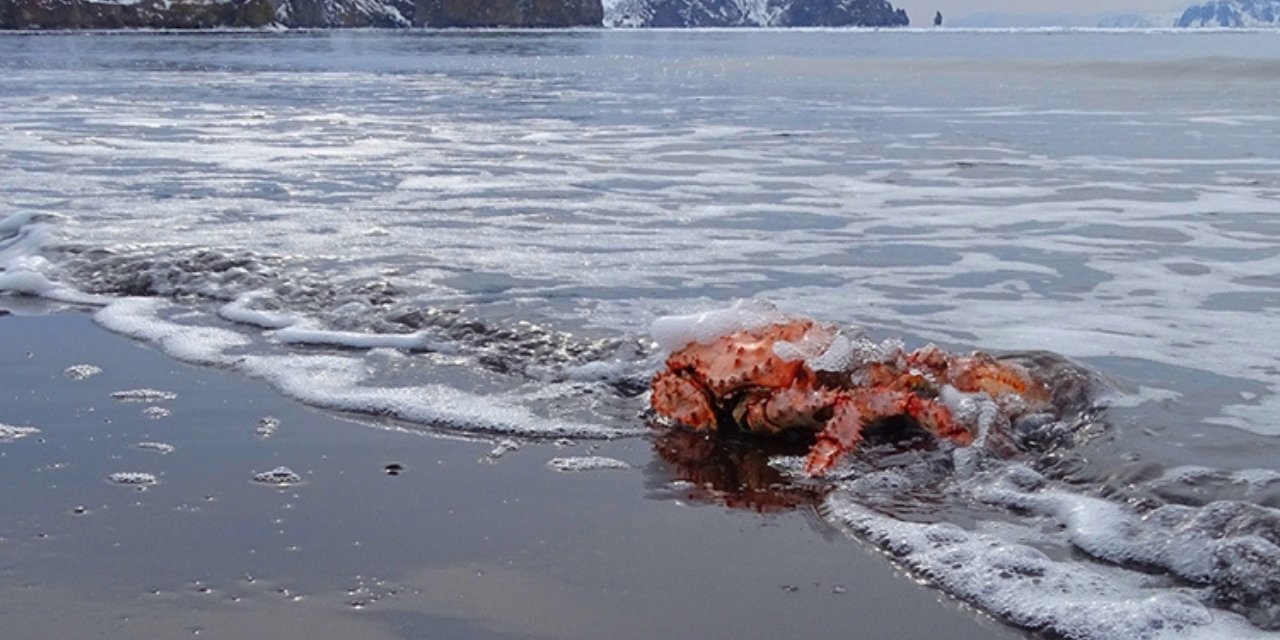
x,y
470,539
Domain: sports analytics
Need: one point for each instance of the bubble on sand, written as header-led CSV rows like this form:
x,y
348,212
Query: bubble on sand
x,y
267,426
144,395
81,371
9,433
133,478
155,413
158,447
504,446
279,476
587,463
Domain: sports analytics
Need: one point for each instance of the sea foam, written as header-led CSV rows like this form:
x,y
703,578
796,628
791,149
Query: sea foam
x,y
1021,584
674,332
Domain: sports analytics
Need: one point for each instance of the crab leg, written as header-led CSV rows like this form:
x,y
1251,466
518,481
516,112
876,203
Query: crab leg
x,y
856,410
679,397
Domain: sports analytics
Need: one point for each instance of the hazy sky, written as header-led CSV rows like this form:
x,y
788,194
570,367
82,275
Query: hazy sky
x,y
921,11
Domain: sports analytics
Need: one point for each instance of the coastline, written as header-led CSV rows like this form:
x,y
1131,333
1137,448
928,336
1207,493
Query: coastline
x,y
471,539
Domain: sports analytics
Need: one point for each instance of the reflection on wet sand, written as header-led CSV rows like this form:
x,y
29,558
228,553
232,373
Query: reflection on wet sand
x,y
732,470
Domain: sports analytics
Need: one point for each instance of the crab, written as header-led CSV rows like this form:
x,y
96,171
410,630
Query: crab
x,y
800,375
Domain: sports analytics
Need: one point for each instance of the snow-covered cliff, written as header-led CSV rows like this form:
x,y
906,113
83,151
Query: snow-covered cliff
x,y
753,13
1232,13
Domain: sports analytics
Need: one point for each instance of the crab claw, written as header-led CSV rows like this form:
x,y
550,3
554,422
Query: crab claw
x,y
679,397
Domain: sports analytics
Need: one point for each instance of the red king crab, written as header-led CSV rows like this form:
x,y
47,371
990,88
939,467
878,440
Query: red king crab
x,y
797,374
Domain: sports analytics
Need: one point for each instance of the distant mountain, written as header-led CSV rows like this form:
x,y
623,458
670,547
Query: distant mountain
x,y
753,13
205,14
992,20
1232,13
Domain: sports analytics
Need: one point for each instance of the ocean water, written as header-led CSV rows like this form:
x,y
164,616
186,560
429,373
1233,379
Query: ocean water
x,y
473,232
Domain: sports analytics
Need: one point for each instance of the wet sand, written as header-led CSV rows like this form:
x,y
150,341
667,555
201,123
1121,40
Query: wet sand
x,y
466,541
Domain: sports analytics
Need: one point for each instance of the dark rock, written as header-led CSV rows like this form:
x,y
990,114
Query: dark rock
x,y
205,14
507,13
774,13
843,13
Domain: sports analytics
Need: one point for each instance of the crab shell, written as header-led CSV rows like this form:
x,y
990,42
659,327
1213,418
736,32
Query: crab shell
x,y
732,379
739,381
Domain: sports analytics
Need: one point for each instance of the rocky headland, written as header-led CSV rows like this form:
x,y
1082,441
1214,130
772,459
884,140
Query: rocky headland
x,y
209,14
755,13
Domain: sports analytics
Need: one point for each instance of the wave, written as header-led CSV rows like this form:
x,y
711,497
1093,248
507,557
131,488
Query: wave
x,y
1024,535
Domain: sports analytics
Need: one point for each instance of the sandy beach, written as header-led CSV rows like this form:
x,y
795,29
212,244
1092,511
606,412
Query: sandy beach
x,y
469,539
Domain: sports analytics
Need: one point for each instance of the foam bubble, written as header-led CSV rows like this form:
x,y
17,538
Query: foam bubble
x,y
267,426
143,395
158,447
133,478
502,448
9,433
81,371
155,413
280,476
586,463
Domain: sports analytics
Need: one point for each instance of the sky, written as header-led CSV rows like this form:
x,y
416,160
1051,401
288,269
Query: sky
x,y
921,11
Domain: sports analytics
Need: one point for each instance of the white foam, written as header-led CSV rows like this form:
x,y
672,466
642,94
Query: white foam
x,y
26,282
10,225
23,270
158,447
418,341
155,413
81,371
241,310
586,463
840,355
144,395
141,318
267,426
134,478
1018,583
9,433
279,476
336,382
674,332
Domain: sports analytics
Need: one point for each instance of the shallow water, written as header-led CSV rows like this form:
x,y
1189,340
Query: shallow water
x,y
467,539
508,213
